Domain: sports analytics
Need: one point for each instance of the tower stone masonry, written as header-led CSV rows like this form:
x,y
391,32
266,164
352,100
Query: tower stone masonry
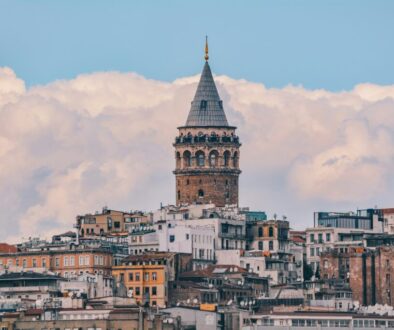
x,y
207,149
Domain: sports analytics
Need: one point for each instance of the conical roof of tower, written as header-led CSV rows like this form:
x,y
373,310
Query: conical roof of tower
x,y
207,107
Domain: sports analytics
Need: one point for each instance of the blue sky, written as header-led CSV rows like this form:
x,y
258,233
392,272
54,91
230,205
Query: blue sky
x,y
318,44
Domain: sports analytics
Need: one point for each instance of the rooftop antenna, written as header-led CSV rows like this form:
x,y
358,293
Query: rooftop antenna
x,y
206,49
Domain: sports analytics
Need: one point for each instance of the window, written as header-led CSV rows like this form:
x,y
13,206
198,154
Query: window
x,y
235,159
172,238
260,245
131,277
317,251
146,275
137,277
81,260
154,276
312,238
57,262
65,261
325,264
203,104
312,252
87,260
201,193
213,157
154,291
271,232
96,262
34,262
137,290
320,238
117,224
260,232
187,159
271,245
328,237
226,157
72,261
24,263
200,158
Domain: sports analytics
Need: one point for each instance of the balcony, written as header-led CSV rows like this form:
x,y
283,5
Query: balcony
x,y
232,236
189,139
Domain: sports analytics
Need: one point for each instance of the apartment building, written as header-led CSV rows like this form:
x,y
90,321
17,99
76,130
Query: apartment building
x,y
147,276
66,261
109,221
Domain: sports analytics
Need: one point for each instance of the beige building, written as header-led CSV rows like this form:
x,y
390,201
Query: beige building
x,y
109,222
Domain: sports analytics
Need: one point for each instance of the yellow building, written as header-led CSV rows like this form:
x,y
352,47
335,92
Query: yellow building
x,y
148,275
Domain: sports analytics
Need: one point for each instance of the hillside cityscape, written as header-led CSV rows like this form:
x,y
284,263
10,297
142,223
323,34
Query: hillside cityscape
x,y
205,262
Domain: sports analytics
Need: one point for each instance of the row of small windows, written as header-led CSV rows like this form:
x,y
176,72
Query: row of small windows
x,y
201,194
214,182
270,245
213,158
270,232
204,104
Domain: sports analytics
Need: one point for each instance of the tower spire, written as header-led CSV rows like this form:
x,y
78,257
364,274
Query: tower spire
x,y
206,49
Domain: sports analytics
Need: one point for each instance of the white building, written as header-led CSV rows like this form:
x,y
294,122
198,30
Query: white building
x,y
321,239
228,224
143,239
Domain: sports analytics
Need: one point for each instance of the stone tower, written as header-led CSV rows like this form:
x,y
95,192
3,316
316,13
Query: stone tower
x,y
207,149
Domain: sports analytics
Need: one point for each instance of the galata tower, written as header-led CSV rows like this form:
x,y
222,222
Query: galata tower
x,y
207,149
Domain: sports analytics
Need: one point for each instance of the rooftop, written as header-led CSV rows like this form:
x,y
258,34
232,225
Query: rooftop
x,y
207,107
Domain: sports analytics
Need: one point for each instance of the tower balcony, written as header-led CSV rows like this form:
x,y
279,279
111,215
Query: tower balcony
x,y
206,139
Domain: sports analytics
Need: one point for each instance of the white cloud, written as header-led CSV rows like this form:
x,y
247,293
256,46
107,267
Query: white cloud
x,y
72,146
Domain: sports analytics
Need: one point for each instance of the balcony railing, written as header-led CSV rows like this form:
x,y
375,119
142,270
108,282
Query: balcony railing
x,y
232,235
206,138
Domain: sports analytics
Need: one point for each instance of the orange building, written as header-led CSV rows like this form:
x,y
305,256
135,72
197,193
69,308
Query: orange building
x,y
147,276
66,262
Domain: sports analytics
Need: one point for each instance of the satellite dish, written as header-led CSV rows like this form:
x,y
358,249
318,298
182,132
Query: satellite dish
x,y
130,293
242,303
78,294
195,301
188,301
229,302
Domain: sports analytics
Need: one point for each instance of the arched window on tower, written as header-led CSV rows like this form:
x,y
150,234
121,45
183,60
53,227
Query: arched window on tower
x,y
226,158
213,158
235,159
200,193
200,158
187,159
178,160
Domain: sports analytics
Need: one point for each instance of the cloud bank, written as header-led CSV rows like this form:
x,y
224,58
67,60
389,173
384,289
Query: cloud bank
x,y
73,146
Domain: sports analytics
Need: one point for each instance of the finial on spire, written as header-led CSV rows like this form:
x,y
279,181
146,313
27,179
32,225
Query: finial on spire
x,y
206,48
